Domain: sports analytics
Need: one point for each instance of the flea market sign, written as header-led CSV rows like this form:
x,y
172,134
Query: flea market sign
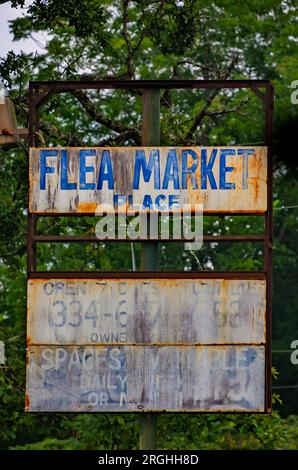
x,y
78,180
108,342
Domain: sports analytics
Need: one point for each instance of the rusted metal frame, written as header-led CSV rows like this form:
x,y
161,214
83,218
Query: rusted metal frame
x,y
206,213
268,244
259,94
150,275
142,343
61,86
94,239
32,218
254,275
267,100
43,95
160,412
149,251
31,114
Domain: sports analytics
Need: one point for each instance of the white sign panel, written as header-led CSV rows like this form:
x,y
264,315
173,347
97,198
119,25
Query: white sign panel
x,y
78,180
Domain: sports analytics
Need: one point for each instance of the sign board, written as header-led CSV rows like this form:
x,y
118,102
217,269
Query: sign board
x,y
102,342
78,180
145,378
144,344
142,311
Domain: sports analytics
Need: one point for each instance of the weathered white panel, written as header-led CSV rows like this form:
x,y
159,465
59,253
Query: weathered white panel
x,y
69,180
142,378
146,311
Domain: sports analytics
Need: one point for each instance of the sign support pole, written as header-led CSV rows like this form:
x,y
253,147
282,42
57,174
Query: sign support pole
x,y
150,137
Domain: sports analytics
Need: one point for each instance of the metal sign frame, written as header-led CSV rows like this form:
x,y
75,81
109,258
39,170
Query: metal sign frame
x,y
40,91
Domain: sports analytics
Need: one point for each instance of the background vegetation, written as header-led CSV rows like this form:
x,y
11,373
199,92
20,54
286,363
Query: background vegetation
x,y
155,39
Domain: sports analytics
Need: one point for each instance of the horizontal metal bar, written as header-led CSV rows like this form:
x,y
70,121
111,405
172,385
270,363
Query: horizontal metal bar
x,y
94,239
162,412
205,213
130,84
233,238
147,275
142,344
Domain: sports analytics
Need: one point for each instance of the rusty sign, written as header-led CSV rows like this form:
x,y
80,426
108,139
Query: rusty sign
x,y
150,341
78,180
140,345
143,311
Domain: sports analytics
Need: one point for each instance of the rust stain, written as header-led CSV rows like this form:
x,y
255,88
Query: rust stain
x,y
252,200
87,207
27,357
27,402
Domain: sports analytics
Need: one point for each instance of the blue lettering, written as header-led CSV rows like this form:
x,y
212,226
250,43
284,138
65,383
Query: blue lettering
x,y
153,164
122,200
223,169
106,171
189,170
206,169
159,198
44,169
64,172
245,154
147,202
171,171
119,200
86,169
174,201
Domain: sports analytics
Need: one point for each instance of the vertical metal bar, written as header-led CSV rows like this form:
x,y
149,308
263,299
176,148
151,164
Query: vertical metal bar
x,y
31,245
31,115
150,136
32,222
268,244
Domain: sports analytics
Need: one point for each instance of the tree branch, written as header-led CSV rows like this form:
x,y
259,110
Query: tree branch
x,y
53,131
125,34
121,138
219,112
97,116
210,98
166,99
198,118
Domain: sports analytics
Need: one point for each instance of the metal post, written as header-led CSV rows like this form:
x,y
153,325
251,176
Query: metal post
x,y
150,136
32,219
269,102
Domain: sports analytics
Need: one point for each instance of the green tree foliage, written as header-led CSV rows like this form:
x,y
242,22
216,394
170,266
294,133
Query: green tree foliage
x,y
125,39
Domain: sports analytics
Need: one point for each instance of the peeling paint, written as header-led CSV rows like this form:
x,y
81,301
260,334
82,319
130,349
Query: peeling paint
x,y
146,378
142,311
80,191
